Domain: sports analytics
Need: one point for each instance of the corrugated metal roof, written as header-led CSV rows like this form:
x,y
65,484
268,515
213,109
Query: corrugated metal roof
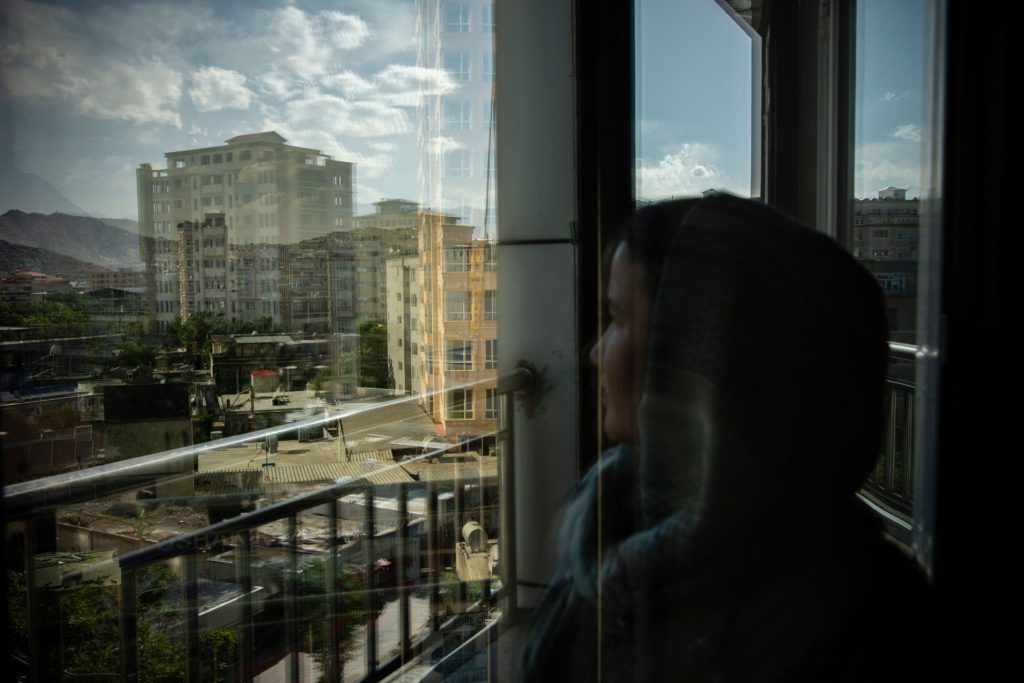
x,y
315,473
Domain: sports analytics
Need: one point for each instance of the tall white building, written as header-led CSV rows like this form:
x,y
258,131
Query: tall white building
x,y
457,153
269,193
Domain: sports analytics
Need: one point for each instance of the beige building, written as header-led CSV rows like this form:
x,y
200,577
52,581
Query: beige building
x,y
404,322
268,192
459,327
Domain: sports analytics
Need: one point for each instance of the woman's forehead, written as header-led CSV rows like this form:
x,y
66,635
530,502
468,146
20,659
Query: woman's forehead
x,y
626,283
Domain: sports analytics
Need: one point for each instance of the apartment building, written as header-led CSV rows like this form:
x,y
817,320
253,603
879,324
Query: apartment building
x,y
457,304
403,320
269,193
885,240
457,152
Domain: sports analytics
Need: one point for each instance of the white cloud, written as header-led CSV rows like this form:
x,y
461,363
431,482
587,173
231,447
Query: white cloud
x,y
53,54
214,88
881,164
889,96
689,171
344,31
381,146
404,85
338,116
909,132
349,83
441,144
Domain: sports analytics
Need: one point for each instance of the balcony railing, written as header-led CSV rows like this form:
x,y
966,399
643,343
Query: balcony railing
x,y
221,605
890,487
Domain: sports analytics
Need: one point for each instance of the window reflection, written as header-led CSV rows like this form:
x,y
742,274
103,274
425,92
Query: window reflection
x,y
258,217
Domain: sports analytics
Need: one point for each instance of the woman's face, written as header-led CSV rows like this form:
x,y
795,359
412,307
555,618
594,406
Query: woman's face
x,y
621,353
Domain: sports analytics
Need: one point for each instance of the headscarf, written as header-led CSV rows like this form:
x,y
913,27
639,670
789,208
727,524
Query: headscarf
x,y
762,399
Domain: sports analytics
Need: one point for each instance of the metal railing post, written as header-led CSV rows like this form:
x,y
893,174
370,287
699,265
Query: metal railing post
x,y
244,572
291,612
507,507
432,558
402,557
129,626
192,618
333,587
371,584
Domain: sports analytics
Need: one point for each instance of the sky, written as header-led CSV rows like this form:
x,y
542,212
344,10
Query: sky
x,y
694,98
91,89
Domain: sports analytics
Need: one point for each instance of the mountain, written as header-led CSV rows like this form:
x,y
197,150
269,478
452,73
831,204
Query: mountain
x,y
28,192
19,257
79,237
126,224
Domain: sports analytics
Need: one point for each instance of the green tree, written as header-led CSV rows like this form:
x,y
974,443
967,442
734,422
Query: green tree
x,y
314,610
374,368
86,619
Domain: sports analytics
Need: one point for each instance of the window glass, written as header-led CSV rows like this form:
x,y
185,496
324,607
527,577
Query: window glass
x,y
889,121
226,186
687,145
458,306
459,354
460,404
889,183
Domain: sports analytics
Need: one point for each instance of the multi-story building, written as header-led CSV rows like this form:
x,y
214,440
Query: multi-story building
x,y
404,322
122,278
269,193
387,232
885,240
456,138
458,307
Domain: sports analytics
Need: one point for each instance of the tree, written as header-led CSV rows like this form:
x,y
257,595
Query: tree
x,y
86,619
374,368
314,606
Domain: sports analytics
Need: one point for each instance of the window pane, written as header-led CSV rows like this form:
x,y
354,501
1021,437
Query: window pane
x,y
275,245
889,119
694,102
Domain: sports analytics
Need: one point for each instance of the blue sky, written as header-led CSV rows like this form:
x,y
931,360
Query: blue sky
x,y
90,90
694,90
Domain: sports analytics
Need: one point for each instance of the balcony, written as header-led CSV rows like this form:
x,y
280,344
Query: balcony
x,y
257,557
239,565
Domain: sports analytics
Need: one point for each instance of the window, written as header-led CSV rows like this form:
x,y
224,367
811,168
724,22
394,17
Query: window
x,y
455,114
458,306
245,155
491,355
491,404
204,159
490,258
460,404
456,17
487,17
218,158
456,163
456,259
487,66
456,62
459,354
491,304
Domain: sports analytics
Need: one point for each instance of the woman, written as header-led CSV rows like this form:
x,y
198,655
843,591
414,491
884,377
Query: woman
x,y
742,371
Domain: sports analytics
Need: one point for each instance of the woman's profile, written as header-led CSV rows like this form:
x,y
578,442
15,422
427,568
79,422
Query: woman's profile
x,y
742,373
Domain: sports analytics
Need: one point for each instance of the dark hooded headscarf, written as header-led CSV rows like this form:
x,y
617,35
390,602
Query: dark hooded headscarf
x,y
761,416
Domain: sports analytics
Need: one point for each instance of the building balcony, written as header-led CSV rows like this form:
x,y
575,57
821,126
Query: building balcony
x,y
258,560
